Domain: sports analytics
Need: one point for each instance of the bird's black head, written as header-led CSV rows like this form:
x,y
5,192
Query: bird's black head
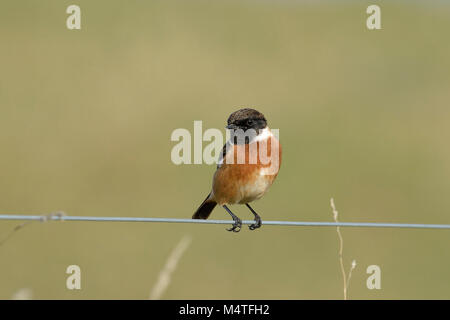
x,y
245,119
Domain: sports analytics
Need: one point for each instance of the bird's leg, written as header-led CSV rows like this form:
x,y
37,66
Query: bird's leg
x,y
236,227
258,220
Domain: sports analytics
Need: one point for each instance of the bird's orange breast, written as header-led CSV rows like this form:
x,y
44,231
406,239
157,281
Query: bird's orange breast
x,y
238,181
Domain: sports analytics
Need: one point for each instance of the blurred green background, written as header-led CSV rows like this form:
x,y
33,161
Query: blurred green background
x,y
85,123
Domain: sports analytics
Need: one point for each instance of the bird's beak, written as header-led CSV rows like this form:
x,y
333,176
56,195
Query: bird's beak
x,y
231,127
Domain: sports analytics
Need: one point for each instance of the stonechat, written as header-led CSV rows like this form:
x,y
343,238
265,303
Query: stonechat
x,y
248,166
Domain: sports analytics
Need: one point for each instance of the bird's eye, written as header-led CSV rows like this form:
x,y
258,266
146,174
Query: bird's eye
x,y
249,122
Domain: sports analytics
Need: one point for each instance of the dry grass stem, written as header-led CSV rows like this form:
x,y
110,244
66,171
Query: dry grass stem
x,y
165,275
44,218
23,294
345,278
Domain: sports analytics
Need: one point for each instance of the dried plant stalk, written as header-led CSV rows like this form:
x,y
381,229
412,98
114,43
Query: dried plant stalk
x,y
165,275
345,279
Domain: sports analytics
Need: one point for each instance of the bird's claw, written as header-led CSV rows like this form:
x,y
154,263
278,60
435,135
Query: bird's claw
x,y
236,227
257,223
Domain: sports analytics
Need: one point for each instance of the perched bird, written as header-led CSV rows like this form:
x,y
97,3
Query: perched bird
x,y
249,164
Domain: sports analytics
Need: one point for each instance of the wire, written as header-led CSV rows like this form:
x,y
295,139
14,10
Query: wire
x,y
61,217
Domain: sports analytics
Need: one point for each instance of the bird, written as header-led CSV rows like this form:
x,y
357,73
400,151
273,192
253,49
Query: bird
x,y
243,173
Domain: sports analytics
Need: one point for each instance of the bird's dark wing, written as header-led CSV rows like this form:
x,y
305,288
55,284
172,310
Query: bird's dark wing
x,y
223,154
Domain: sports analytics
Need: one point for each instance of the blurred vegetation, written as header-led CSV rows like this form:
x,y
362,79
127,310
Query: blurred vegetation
x,y
85,124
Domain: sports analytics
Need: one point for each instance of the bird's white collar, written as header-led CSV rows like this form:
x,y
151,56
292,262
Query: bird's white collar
x,y
265,134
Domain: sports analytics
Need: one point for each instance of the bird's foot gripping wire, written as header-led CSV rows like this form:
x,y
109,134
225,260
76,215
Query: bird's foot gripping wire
x,y
257,224
258,221
236,227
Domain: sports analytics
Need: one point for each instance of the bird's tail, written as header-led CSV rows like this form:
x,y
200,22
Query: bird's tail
x,y
205,209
